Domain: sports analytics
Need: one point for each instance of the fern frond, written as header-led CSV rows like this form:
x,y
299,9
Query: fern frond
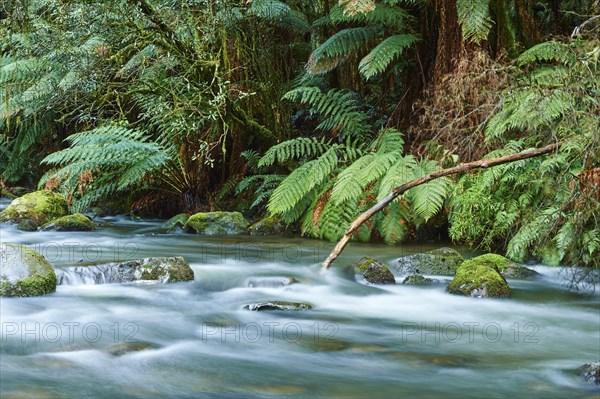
x,y
428,199
551,51
337,48
302,181
340,110
393,226
474,19
302,147
380,58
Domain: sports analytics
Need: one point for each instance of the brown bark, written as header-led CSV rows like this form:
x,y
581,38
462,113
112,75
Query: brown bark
x,y
483,163
449,38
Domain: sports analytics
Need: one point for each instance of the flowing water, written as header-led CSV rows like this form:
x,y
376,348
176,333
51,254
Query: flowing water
x,y
196,340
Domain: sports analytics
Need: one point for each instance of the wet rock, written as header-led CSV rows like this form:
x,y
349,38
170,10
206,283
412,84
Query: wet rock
x,y
508,268
270,282
150,270
479,277
271,225
75,222
417,279
27,225
217,223
278,305
39,207
174,223
439,262
591,372
123,348
374,271
24,272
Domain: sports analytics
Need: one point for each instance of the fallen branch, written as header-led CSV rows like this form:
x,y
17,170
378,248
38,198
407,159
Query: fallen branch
x,y
483,163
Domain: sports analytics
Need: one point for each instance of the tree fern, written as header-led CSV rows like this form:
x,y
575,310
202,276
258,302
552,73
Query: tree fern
x,y
474,18
302,147
302,181
339,110
380,58
338,48
427,199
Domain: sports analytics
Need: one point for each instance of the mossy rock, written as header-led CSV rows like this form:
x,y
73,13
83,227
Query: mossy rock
x,y
39,206
479,277
271,225
439,262
507,267
217,223
75,222
278,305
176,222
417,279
591,372
24,272
27,225
374,271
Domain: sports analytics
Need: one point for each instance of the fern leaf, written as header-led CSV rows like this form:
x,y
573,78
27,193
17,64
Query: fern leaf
x,y
380,58
474,19
337,48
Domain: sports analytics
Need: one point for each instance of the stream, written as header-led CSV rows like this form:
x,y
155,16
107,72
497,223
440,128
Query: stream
x,y
195,339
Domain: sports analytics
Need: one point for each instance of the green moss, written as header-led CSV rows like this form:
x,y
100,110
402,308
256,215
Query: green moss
x,y
39,206
41,277
439,262
479,277
75,222
217,223
271,225
374,271
506,267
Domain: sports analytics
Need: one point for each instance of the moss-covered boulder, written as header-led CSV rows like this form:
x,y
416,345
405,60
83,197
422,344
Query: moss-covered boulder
x,y
417,279
374,271
149,270
271,225
24,272
75,222
278,305
439,262
508,268
39,206
174,223
217,223
479,277
591,372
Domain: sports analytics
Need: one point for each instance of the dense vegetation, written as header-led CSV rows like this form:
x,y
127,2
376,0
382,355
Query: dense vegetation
x,y
314,110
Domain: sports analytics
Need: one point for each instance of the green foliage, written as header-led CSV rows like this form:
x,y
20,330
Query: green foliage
x,y
116,159
380,58
382,25
328,192
543,205
474,19
340,110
